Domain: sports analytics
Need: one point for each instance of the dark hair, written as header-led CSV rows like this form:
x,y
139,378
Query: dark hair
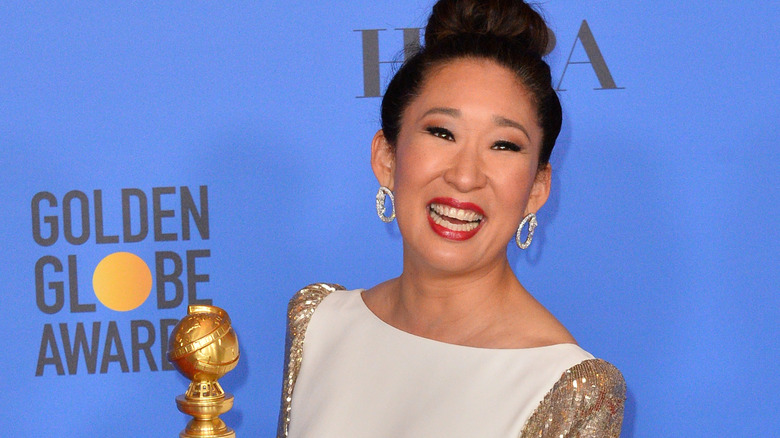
x,y
508,32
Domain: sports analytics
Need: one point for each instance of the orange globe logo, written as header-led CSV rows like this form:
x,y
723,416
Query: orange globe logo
x,y
122,281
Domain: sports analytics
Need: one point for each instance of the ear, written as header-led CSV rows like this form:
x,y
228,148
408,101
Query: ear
x,y
383,160
540,191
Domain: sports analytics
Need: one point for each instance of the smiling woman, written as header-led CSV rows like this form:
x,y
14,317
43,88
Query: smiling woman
x,y
469,142
455,346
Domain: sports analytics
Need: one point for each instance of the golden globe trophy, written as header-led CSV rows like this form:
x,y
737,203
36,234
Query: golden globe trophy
x,y
203,348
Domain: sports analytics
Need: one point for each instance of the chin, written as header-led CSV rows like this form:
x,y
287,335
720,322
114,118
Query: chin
x,y
452,262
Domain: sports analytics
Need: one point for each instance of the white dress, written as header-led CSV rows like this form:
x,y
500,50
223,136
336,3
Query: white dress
x,y
360,377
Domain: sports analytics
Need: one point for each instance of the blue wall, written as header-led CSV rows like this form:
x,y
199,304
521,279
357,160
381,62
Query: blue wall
x,y
658,248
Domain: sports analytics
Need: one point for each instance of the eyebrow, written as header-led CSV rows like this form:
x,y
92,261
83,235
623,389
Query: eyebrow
x,y
442,110
498,120
503,121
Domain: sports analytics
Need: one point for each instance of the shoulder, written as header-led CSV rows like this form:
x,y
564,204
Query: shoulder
x,y
596,378
301,308
299,312
587,401
304,301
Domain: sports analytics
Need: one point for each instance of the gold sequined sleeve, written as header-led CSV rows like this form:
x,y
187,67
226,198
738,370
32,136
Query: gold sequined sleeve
x,y
299,312
587,402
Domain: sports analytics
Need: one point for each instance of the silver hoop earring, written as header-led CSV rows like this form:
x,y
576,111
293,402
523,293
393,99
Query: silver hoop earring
x,y
381,197
530,218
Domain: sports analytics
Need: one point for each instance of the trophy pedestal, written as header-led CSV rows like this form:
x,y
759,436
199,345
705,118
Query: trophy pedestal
x,y
206,412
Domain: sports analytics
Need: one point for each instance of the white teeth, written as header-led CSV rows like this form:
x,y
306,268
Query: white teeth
x,y
439,213
456,213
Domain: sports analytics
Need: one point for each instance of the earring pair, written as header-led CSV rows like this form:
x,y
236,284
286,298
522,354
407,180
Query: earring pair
x,y
381,209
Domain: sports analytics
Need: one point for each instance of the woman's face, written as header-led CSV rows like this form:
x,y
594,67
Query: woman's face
x,y
464,170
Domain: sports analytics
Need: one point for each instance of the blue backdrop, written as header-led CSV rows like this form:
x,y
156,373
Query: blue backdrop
x,y
238,134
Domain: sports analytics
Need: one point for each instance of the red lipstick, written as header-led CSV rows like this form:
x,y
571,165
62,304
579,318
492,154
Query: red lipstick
x,y
468,229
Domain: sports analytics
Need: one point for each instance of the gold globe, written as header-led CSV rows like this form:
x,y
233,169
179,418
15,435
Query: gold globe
x,y
204,347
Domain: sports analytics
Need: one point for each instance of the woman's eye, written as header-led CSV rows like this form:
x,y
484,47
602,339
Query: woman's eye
x,y
441,133
506,146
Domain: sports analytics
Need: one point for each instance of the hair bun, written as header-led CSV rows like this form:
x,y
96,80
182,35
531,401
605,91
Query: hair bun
x,y
511,19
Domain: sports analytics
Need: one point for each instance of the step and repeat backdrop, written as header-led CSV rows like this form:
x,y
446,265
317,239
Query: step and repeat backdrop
x,y
159,154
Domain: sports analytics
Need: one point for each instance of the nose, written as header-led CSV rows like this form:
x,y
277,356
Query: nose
x,y
466,171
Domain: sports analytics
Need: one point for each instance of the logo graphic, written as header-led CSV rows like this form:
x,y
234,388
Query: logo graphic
x,y
122,281
595,59
75,228
372,65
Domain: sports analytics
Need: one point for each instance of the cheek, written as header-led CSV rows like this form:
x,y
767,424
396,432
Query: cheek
x,y
513,190
414,167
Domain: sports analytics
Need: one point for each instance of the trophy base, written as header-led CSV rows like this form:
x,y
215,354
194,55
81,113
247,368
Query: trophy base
x,y
206,422
228,434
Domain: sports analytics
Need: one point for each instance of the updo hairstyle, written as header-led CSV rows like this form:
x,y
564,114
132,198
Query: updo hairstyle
x,y
508,32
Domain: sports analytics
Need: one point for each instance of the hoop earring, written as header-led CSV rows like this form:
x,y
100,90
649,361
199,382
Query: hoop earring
x,y
381,197
530,218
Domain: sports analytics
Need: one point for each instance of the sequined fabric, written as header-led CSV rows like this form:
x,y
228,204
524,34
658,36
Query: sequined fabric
x,y
587,402
299,312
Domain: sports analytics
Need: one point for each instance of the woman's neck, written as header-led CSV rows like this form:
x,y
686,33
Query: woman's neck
x,y
467,308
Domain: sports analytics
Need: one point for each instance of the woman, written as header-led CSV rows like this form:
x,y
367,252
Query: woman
x,y
455,346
